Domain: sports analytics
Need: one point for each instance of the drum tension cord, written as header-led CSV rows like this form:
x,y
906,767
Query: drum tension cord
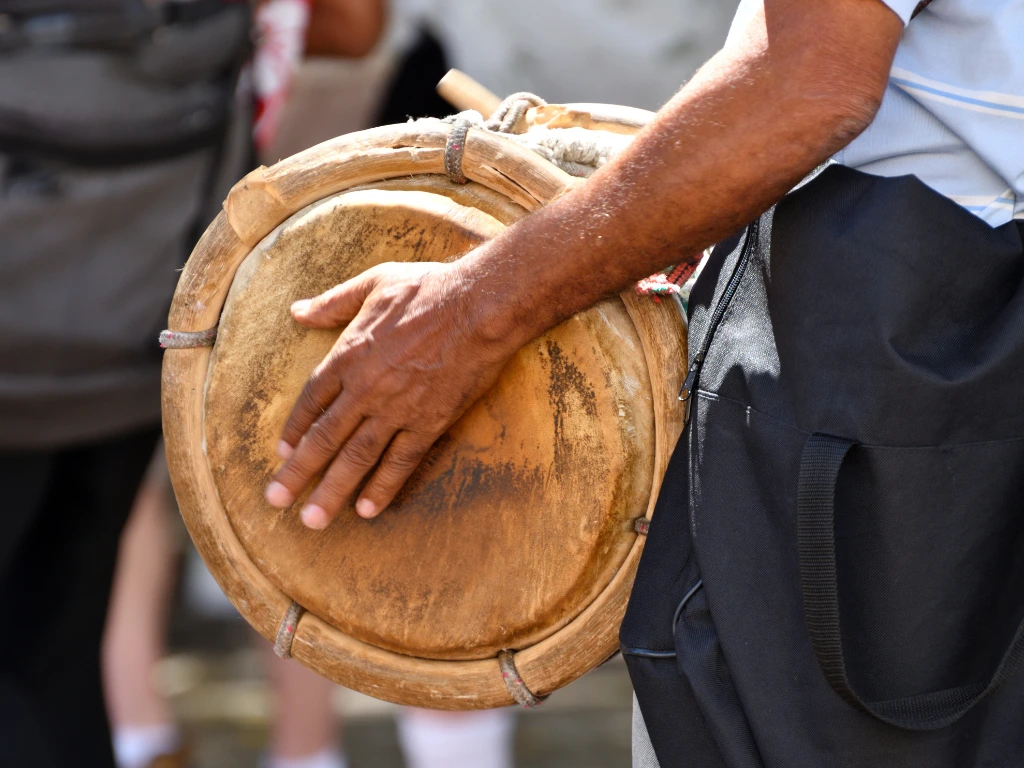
x,y
514,682
503,120
286,631
188,339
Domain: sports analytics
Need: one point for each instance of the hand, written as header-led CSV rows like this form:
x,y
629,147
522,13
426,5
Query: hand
x,y
404,369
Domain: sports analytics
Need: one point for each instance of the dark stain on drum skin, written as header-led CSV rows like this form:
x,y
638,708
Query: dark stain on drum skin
x,y
411,235
397,234
466,481
567,384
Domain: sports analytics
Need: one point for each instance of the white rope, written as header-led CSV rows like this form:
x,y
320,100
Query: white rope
x,y
577,151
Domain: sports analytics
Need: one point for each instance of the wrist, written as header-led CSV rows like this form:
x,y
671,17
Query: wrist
x,y
491,306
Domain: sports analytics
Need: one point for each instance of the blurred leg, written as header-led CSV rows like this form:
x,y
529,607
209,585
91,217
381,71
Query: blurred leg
x,y
64,514
305,730
141,718
433,739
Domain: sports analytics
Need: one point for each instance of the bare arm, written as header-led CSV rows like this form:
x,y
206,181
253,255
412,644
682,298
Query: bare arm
x,y
348,28
799,84
423,342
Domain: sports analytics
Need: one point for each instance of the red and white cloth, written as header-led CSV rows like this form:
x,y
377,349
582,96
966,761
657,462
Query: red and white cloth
x,y
280,43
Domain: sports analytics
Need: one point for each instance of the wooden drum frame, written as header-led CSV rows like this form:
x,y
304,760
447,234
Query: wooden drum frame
x,y
255,207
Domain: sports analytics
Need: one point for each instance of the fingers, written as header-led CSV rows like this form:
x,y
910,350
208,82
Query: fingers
x,y
401,459
315,450
337,306
330,309
321,390
354,462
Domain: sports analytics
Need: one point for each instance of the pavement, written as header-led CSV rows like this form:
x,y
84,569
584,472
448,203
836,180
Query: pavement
x,y
224,706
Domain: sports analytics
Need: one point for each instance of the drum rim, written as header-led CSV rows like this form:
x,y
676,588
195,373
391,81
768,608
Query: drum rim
x,y
258,204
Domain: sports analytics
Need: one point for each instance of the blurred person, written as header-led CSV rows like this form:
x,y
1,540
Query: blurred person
x,y
428,739
304,728
288,30
635,53
116,122
631,52
434,739
142,723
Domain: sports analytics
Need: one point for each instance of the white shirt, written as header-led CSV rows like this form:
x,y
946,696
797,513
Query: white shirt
x,y
953,113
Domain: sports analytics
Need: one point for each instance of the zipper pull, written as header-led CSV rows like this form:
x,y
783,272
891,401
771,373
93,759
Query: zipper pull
x,y
691,377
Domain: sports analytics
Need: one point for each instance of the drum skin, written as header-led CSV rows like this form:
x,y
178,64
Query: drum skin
x,y
517,531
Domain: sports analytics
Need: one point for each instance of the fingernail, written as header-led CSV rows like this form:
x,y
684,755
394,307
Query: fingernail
x,y
279,496
284,450
314,516
302,305
366,508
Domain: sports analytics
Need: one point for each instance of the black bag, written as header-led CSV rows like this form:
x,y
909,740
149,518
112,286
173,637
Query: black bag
x,y
834,574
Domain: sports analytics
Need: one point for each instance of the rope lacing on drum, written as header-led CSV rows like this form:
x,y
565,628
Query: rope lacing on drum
x,y
188,339
514,682
577,151
512,109
286,630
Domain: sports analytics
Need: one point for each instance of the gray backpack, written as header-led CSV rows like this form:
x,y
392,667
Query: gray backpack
x,y
118,121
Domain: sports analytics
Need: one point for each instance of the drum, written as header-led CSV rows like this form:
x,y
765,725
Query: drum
x,y
501,572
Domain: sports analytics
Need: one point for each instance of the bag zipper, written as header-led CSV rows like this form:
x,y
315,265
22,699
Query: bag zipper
x,y
690,383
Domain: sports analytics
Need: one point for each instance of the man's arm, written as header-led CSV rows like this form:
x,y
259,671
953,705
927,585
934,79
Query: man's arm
x,y
348,28
796,83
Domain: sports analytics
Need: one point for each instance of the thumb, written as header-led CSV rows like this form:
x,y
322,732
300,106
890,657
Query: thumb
x,y
337,306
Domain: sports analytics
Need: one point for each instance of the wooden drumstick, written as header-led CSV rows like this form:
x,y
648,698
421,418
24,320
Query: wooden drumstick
x,y
463,92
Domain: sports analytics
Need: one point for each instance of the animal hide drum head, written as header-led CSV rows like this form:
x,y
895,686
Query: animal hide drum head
x,y
502,570
521,513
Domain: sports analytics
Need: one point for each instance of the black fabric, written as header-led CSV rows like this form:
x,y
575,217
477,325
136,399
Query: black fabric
x,y
820,465
62,513
881,326
412,91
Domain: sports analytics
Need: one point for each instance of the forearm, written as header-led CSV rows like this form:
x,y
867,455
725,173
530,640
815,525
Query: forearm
x,y
347,28
750,125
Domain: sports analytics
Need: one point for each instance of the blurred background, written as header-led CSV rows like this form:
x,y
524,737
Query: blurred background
x,y
187,683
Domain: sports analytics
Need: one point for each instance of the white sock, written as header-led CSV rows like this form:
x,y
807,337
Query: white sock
x,y
456,739
327,758
136,746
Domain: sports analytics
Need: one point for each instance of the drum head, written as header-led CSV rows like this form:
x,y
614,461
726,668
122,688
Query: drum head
x,y
501,572
519,516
